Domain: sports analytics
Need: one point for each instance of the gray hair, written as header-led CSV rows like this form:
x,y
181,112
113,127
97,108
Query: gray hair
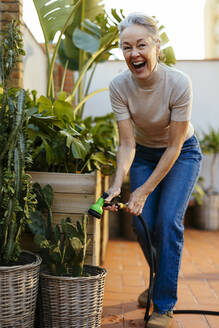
x,y
140,19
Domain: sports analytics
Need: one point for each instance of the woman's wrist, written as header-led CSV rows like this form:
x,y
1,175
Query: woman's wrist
x,y
147,189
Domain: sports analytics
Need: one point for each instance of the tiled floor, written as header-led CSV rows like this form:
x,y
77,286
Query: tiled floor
x,y
128,276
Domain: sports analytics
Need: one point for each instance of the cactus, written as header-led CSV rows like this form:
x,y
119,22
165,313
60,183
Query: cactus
x,y
16,197
63,248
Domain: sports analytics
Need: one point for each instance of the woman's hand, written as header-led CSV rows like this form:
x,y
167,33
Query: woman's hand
x,y
136,201
112,192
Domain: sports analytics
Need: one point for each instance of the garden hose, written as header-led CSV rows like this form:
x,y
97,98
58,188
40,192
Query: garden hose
x,y
96,210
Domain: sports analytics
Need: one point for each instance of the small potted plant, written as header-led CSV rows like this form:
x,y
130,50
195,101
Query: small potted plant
x,y
19,270
207,213
71,293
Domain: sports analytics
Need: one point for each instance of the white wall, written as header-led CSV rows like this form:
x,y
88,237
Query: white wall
x,y
205,113
35,64
205,80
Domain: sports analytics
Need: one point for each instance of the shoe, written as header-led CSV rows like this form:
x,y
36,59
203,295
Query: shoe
x,y
159,320
142,298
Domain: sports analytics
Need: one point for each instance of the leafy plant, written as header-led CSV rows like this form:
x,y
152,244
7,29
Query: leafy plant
x,y
94,40
167,55
63,248
16,196
68,15
198,192
210,145
62,13
64,143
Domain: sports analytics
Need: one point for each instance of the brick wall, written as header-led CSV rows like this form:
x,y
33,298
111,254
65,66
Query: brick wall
x,y
12,10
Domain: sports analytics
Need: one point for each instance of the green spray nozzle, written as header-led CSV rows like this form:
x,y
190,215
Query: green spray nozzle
x,y
96,209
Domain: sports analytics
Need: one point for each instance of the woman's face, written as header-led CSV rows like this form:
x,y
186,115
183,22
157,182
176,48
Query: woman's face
x,y
139,50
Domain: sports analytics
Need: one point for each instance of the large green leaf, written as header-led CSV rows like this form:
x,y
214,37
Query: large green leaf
x,y
100,157
78,149
45,104
38,224
63,109
53,15
69,136
67,50
86,41
91,27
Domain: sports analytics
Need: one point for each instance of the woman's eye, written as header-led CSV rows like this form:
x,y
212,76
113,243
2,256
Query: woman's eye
x,y
142,45
126,48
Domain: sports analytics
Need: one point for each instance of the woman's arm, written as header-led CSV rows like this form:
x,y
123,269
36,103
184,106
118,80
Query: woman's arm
x,y
177,133
125,156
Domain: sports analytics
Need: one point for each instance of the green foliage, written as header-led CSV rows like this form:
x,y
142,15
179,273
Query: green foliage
x,y
89,36
50,12
210,141
63,248
93,40
11,48
80,49
68,49
167,55
16,196
64,143
62,13
210,145
198,192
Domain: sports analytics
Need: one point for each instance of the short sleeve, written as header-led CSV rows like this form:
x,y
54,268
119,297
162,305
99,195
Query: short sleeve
x,y
119,105
181,100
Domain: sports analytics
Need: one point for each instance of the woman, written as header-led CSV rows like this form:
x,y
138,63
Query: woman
x,y
152,105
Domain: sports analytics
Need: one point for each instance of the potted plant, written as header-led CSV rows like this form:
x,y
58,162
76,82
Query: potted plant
x,y
19,270
66,153
207,214
71,293
71,161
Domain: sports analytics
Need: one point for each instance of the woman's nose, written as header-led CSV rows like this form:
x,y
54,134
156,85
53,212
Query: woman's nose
x,y
134,52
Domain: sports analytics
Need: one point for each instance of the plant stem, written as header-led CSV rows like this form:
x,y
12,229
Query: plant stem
x,y
87,97
64,75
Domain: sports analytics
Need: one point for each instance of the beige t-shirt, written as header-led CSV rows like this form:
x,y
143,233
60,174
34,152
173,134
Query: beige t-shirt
x,y
164,96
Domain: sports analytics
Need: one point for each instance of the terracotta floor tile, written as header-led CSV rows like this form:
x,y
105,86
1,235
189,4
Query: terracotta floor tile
x,y
213,321
191,321
128,276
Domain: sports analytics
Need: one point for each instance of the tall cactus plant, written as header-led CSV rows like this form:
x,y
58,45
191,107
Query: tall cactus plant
x,y
16,197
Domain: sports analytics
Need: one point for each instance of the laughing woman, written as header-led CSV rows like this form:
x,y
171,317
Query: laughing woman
x,y
152,104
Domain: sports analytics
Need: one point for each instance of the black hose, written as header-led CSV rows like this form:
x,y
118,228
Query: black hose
x,y
152,277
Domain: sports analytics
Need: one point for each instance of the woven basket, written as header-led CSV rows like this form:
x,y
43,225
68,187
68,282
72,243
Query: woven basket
x,y
73,302
18,292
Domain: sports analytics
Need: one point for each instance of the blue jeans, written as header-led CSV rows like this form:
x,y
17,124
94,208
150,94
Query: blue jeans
x,y
163,212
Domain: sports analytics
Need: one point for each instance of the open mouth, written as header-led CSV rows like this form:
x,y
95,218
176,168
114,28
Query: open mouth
x,y
138,65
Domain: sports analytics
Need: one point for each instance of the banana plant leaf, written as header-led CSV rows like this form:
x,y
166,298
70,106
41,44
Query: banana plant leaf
x,y
53,15
68,50
87,42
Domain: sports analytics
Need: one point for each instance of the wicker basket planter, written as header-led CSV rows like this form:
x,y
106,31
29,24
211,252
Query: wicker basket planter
x,y
18,292
69,302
